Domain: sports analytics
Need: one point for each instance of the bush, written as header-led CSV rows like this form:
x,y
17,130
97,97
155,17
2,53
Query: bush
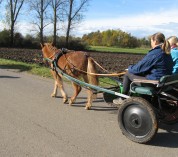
x,y
33,42
5,38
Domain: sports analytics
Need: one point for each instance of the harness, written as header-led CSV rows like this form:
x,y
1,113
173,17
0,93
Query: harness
x,y
60,53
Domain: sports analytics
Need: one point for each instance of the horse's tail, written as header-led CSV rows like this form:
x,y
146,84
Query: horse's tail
x,y
91,68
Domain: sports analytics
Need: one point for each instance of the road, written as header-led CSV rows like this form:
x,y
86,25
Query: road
x,y
35,125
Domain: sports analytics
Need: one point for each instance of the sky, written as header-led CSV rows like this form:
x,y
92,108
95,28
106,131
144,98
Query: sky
x,y
140,18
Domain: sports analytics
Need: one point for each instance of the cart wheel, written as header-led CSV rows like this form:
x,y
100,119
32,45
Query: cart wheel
x,y
137,120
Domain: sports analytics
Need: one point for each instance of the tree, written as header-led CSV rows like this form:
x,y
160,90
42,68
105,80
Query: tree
x,y
56,5
111,38
4,38
39,7
74,15
13,8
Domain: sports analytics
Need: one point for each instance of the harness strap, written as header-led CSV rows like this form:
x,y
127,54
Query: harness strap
x,y
60,53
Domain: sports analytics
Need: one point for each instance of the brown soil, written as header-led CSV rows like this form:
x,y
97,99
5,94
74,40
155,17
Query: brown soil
x,y
113,62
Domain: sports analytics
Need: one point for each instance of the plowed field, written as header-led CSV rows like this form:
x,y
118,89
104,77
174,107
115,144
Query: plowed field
x,y
113,62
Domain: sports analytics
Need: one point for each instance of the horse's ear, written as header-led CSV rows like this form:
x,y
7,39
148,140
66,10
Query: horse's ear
x,y
41,45
52,43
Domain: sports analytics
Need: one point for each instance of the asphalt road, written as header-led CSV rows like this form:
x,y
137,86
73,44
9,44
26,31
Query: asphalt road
x,y
34,124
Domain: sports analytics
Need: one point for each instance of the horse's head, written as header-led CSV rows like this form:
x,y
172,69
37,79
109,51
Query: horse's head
x,y
48,50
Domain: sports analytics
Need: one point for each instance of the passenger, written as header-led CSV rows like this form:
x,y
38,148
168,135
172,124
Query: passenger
x,y
173,40
157,63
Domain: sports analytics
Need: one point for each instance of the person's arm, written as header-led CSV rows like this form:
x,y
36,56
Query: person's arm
x,y
174,56
144,65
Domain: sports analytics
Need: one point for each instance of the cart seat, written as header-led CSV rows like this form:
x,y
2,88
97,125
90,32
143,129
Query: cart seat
x,y
143,90
151,87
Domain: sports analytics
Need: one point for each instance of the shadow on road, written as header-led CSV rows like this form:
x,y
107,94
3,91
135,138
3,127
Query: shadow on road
x,y
18,67
9,77
94,106
166,139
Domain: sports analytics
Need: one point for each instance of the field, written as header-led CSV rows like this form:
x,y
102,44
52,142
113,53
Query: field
x,y
117,49
113,62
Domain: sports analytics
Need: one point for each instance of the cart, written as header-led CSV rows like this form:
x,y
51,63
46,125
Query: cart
x,y
148,104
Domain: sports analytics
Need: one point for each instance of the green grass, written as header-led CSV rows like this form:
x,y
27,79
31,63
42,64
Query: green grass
x,y
21,67
107,82
42,71
116,49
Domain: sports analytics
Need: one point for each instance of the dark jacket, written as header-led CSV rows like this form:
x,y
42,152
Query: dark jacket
x,y
154,65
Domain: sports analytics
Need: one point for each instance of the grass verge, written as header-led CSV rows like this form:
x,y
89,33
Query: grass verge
x,y
21,67
43,71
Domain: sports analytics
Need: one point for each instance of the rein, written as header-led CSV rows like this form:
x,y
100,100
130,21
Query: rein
x,y
74,67
96,74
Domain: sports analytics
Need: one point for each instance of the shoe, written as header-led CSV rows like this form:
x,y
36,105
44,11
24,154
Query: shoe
x,y
118,101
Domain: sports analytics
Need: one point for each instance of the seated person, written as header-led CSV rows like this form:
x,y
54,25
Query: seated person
x,y
174,52
157,63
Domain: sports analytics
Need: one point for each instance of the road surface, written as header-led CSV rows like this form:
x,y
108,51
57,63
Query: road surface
x,y
35,125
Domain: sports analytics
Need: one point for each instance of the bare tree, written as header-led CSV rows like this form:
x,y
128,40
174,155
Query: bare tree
x,y
13,8
74,15
39,7
57,6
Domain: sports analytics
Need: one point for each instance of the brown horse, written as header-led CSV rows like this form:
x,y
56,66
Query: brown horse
x,y
73,63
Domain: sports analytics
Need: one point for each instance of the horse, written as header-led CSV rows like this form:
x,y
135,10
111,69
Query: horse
x,y
76,64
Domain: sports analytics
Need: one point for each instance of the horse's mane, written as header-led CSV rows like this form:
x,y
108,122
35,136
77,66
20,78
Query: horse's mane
x,y
51,47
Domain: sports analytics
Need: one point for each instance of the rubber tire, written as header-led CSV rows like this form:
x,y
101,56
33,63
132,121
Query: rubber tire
x,y
142,106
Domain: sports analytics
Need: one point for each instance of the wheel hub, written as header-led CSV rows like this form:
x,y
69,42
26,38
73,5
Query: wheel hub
x,y
136,120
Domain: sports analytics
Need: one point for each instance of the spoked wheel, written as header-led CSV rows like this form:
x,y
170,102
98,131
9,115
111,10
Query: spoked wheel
x,y
137,120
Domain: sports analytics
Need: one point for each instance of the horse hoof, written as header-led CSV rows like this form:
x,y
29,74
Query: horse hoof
x,y
87,108
65,101
53,95
70,102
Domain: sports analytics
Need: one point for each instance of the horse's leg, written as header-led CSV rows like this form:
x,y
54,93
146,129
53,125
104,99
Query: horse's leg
x,y
59,83
55,89
77,90
89,100
89,95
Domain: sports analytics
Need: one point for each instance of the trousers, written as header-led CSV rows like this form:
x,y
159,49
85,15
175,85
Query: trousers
x,y
128,78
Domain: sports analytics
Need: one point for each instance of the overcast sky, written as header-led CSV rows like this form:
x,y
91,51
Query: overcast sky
x,y
138,17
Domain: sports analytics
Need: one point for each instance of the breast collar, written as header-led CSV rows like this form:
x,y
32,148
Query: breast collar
x,y
60,53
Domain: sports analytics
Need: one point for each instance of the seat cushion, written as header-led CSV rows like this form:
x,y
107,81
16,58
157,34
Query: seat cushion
x,y
143,90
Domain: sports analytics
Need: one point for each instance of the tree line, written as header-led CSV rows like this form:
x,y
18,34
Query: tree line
x,y
29,41
116,38
44,13
56,13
